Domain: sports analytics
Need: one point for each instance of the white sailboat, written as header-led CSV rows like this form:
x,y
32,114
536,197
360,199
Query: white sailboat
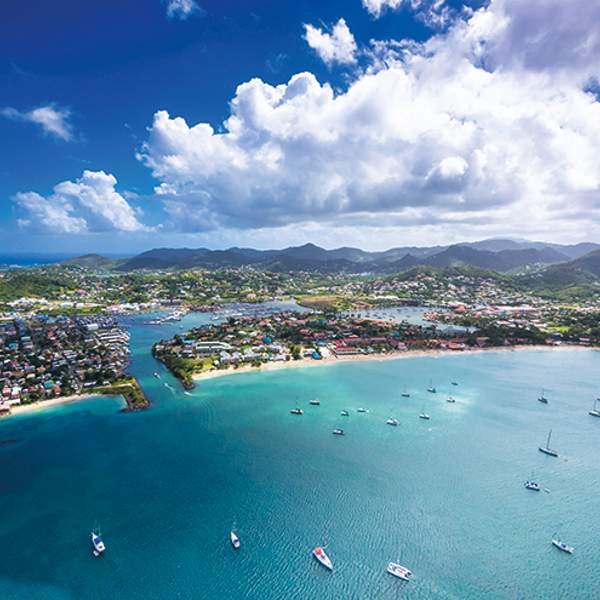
x,y
595,412
431,389
235,540
546,449
98,546
320,554
542,398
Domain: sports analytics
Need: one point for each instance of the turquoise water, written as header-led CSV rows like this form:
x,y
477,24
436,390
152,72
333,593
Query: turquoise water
x,y
444,497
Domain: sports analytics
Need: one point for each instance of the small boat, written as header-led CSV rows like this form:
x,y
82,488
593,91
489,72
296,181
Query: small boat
x,y
235,540
397,570
361,410
424,416
156,375
345,413
297,411
533,485
97,543
562,546
338,431
546,449
595,412
542,398
315,402
393,422
454,382
405,393
431,389
451,399
321,556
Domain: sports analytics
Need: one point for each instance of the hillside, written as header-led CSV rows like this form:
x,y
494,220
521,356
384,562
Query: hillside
x,y
91,261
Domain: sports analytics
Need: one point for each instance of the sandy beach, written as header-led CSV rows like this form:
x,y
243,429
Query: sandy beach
x,y
332,360
21,409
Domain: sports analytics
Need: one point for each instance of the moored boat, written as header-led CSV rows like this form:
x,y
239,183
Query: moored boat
x,y
562,546
546,449
595,412
315,402
361,410
424,416
397,570
345,413
431,389
338,431
393,422
321,556
297,411
542,398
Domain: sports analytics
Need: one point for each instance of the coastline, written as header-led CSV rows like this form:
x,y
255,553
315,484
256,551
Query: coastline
x,y
309,362
21,409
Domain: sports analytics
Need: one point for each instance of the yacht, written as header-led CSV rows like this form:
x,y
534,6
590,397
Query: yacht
x,y
393,422
297,411
595,412
345,413
397,570
451,399
546,449
321,556
543,398
562,546
338,431
424,415
235,540
97,543
315,402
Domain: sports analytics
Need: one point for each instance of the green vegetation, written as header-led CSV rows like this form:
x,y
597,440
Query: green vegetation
x,y
129,388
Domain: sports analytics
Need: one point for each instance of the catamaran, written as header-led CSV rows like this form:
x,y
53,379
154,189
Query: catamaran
x,y
297,411
97,543
546,449
321,556
235,540
393,422
595,412
562,546
397,570
543,398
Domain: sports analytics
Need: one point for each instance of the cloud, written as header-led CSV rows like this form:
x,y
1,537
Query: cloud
x,y
182,9
338,46
452,133
89,204
377,7
53,120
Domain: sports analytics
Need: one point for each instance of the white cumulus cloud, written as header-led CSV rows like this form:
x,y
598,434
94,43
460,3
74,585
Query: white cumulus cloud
x,y
454,134
339,46
53,120
182,9
377,7
88,204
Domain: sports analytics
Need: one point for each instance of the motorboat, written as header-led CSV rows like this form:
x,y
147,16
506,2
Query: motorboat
x,y
297,411
345,413
361,410
315,402
98,546
562,546
393,422
320,554
156,375
338,431
235,540
397,570
532,485
451,399
424,416
454,382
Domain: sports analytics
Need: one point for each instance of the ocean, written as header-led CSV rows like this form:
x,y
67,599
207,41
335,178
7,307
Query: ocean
x,y
443,497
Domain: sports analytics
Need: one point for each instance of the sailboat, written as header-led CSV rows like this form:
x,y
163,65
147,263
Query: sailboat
x,y
431,389
424,415
595,412
405,393
543,398
546,449
321,556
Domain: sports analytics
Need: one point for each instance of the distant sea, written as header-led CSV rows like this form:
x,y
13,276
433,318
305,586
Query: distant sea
x,y
444,497
8,260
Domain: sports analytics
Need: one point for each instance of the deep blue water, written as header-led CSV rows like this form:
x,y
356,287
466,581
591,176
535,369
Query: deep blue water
x,y
444,497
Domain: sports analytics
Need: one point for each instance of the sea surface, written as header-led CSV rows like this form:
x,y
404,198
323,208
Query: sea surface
x,y
443,497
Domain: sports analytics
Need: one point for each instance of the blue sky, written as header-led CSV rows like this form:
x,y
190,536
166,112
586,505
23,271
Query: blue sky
x,y
83,81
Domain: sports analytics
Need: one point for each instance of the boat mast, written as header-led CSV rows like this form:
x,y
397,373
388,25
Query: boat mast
x,y
548,441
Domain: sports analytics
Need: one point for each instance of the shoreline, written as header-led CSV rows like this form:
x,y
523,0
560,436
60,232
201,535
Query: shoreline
x,y
22,409
309,362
